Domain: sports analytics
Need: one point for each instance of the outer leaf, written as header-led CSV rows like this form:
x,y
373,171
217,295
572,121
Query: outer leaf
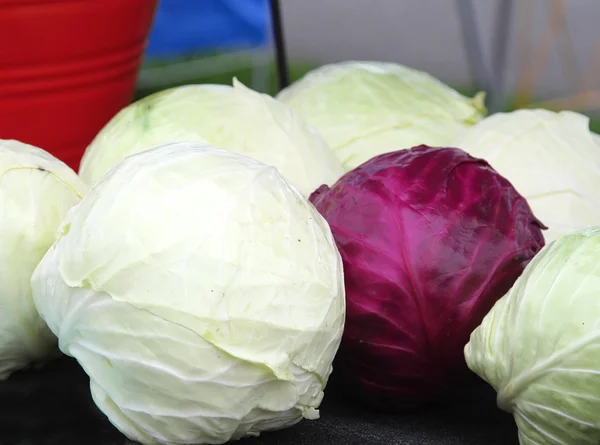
x,y
539,345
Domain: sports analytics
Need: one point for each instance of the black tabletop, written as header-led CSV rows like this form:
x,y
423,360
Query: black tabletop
x,y
53,406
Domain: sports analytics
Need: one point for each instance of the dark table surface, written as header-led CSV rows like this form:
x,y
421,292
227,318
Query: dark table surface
x,y
53,407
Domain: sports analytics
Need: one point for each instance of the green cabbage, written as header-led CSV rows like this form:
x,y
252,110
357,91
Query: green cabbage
x,y
235,118
551,158
364,109
201,292
539,345
36,191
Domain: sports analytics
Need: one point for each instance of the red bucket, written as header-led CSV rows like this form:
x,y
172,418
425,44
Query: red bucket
x,y
67,67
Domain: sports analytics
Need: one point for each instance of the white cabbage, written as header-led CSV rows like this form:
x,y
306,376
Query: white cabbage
x,y
364,109
235,118
36,191
539,346
551,159
202,294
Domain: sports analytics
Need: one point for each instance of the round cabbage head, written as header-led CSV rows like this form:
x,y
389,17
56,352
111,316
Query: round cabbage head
x,y
364,109
539,346
36,192
202,294
235,118
551,158
430,238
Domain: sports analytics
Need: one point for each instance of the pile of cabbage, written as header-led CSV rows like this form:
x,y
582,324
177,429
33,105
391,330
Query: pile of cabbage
x,y
223,255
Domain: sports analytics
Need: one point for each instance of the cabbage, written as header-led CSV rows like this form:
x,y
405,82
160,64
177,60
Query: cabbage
x,y
36,191
364,109
235,118
537,347
430,239
202,294
551,158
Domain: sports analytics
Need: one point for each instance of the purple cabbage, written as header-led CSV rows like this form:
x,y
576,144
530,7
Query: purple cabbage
x,y
431,238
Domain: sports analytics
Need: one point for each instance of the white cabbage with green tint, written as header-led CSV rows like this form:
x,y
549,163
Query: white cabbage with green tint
x,y
36,192
235,118
539,347
551,158
364,109
202,294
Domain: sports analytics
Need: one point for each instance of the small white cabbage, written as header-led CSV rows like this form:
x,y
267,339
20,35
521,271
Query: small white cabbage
x,y
552,160
539,347
36,192
202,294
235,118
364,109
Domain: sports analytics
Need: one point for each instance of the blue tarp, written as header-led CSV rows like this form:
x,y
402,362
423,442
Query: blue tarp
x,y
187,26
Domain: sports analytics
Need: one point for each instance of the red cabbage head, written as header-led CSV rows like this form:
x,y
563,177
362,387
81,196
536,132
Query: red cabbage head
x,y
430,238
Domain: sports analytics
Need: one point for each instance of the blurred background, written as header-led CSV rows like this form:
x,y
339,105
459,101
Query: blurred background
x,y
524,53
72,65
